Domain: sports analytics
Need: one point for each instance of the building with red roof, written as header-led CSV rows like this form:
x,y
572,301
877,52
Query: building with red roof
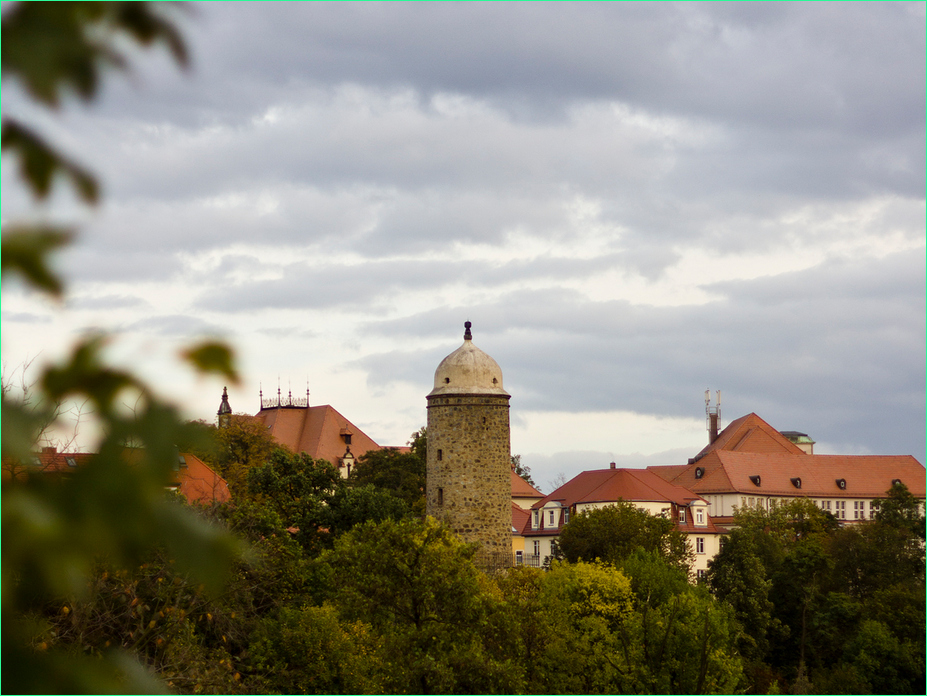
x,y
751,464
595,489
191,476
319,431
524,495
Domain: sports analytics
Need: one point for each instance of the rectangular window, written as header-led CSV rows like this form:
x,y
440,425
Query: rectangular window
x,y
550,520
440,455
841,506
534,519
566,516
743,502
682,515
825,504
699,545
537,548
699,516
859,509
701,574
440,496
519,558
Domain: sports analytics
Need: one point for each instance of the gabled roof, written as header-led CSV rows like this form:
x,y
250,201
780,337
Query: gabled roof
x,y
610,485
521,519
523,489
195,479
199,483
317,430
751,433
865,476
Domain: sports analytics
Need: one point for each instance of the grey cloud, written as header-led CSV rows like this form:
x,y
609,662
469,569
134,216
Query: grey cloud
x,y
174,325
26,318
105,302
840,343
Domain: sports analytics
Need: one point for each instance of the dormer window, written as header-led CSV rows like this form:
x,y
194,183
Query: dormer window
x,y
896,482
70,461
842,484
682,515
699,516
756,480
699,472
796,482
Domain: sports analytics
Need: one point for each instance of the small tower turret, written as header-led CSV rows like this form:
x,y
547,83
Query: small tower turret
x,y
225,410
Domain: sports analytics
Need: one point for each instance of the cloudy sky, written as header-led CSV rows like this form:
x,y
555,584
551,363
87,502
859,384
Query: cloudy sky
x,y
631,202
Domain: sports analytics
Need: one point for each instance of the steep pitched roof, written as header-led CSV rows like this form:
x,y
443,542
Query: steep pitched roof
x,y
523,489
609,485
751,433
865,476
520,520
317,430
199,483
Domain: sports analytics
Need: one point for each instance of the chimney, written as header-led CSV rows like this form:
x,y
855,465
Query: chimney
x,y
49,450
612,465
712,414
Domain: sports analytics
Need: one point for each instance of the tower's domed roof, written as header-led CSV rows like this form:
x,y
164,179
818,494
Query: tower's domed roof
x,y
468,370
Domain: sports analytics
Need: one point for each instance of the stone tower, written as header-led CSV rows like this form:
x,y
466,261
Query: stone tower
x,y
469,452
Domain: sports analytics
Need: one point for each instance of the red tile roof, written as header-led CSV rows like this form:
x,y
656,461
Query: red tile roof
x,y
317,430
866,476
751,433
523,489
199,483
520,519
609,485
196,480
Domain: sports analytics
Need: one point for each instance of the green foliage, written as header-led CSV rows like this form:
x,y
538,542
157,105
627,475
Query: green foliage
x,y
350,506
401,474
26,251
522,470
614,532
900,510
57,48
737,576
56,529
299,489
812,597
212,356
237,449
416,584
309,650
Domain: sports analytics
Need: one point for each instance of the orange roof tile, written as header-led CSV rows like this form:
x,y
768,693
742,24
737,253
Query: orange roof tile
x,y
607,485
199,483
196,480
520,519
866,476
751,433
523,489
316,430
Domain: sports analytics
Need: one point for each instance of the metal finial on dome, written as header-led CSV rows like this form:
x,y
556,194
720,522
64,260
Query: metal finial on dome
x,y
467,335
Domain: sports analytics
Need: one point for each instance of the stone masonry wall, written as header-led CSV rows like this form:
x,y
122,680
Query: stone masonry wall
x,y
468,466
